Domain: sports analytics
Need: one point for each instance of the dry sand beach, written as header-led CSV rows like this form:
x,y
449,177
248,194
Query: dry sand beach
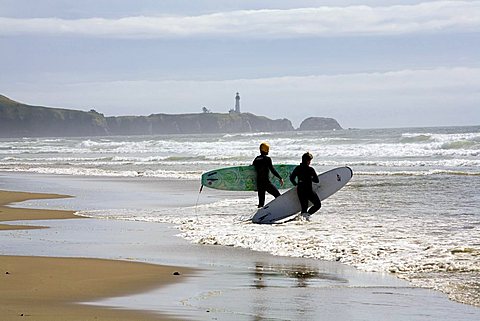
x,y
110,269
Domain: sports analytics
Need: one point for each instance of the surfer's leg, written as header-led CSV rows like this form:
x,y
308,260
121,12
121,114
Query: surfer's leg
x,y
272,190
303,199
261,197
316,203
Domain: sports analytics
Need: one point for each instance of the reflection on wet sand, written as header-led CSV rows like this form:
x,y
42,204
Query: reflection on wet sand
x,y
299,276
269,276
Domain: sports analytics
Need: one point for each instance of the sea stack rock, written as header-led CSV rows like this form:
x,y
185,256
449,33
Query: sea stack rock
x,y
319,123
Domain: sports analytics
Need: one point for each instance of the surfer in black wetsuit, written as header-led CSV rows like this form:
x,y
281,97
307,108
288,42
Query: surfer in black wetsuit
x,y
306,175
263,166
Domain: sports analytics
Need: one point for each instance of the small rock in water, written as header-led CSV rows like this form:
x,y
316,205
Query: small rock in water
x,y
176,273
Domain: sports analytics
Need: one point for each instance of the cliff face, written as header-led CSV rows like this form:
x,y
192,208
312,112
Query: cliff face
x,y
319,123
195,123
17,120
20,120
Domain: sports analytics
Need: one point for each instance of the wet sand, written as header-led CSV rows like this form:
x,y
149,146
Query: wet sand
x,y
48,288
18,214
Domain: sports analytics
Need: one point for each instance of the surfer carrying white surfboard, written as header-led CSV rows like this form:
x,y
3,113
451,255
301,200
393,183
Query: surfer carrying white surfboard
x,y
306,176
263,166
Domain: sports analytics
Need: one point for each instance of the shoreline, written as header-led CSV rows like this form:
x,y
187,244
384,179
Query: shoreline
x,y
49,288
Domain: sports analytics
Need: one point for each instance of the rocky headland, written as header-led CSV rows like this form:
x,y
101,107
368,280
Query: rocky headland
x,y
319,123
21,120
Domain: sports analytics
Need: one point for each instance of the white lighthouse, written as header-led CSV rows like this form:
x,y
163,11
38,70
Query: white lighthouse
x,y
237,103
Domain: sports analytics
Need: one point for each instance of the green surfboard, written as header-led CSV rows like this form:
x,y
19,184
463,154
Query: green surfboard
x,y
243,178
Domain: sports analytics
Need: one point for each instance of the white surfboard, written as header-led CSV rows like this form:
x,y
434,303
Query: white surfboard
x,y
288,204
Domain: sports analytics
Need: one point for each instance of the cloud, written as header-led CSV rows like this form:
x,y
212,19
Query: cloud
x,y
428,17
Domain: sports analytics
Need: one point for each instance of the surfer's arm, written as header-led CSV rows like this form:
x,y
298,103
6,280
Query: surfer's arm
x,y
272,169
274,172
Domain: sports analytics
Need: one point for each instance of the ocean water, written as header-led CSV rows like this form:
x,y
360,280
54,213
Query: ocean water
x,y
412,208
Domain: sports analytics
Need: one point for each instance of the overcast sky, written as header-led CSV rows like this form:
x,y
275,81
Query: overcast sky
x,y
368,64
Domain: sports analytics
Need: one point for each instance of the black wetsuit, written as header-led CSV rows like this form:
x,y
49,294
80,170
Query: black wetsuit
x,y
263,166
306,175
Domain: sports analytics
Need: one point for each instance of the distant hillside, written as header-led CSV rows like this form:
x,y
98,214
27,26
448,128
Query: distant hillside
x,y
21,120
194,123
